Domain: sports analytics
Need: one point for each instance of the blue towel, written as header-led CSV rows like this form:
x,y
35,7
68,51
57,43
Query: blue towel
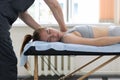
x,y
40,46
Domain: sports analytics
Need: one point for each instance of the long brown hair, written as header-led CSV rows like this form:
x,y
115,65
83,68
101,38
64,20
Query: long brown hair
x,y
27,38
34,37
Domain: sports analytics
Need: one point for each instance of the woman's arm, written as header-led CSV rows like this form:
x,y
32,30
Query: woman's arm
x,y
57,12
24,16
102,41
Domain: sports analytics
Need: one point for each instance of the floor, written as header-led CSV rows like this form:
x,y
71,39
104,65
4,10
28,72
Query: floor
x,y
98,77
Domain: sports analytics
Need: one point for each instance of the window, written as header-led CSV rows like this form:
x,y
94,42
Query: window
x,y
75,11
84,11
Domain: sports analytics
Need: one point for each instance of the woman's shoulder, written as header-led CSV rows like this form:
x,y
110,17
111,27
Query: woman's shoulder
x,y
70,36
66,37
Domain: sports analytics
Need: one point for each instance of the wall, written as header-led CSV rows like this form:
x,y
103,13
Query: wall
x,y
17,35
117,12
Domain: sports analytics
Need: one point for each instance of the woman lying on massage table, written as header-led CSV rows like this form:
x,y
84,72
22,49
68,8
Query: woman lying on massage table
x,y
87,35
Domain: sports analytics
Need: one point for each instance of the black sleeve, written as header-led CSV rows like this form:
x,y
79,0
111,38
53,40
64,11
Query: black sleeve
x,y
21,5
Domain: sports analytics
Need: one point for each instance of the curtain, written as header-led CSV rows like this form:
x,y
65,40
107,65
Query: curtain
x,y
106,10
117,12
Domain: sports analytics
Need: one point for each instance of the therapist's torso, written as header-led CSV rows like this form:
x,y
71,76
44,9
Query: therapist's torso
x,y
9,10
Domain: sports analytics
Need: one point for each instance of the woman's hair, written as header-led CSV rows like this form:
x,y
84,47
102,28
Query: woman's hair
x,y
27,38
36,34
34,37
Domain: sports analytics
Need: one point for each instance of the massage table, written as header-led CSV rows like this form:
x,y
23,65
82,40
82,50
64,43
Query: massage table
x,y
40,48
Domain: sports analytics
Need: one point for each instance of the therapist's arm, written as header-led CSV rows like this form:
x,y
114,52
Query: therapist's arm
x,y
25,17
57,12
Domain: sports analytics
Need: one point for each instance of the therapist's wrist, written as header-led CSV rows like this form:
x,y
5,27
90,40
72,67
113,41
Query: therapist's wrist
x,y
63,28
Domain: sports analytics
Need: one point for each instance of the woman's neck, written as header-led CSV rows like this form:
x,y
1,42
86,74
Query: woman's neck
x,y
61,35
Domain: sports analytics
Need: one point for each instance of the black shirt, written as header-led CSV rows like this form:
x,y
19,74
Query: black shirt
x,y
9,10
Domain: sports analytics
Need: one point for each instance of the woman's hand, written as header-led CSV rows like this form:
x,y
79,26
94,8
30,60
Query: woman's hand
x,y
101,41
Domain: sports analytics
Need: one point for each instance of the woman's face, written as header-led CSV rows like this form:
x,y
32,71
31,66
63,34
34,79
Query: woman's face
x,y
50,35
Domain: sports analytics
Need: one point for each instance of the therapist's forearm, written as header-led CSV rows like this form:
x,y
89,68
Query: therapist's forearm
x,y
29,20
57,12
